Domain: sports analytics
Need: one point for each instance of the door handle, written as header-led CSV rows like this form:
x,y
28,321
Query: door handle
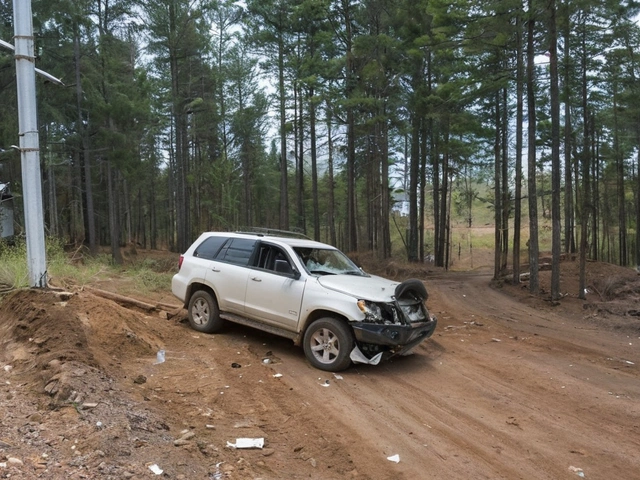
x,y
215,269
256,279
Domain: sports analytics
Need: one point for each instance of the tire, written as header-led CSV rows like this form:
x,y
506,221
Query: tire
x,y
204,315
328,343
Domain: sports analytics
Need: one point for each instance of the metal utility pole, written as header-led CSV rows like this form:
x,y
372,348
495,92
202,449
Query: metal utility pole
x,y
29,142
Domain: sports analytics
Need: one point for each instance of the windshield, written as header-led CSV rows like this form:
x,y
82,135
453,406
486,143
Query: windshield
x,y
326,261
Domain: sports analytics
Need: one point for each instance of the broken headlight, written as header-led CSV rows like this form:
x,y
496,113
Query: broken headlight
x,y
371,310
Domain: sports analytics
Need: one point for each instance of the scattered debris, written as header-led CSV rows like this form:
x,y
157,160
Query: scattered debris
x,y
394,458
247,443
235,365
358,357
577,471
155,469
160,357
218,474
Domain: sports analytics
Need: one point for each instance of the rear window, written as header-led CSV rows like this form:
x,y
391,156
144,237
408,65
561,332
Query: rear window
x,y
238,251
209,248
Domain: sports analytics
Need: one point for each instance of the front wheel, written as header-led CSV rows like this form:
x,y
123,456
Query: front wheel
x,y
328,343
204,315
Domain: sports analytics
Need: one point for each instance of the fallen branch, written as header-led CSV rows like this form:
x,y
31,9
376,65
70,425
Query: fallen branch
x,y
124,301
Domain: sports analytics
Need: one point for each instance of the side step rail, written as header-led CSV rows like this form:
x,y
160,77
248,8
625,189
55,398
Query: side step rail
x,y
261,326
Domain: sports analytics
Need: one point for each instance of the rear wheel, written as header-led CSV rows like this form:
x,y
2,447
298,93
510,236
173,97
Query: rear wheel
x,y
204,315
328,343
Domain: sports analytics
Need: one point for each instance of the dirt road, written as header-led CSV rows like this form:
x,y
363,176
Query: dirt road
x,y
508,387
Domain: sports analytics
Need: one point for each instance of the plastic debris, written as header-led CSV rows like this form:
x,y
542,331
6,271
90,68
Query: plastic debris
x,y
218,474
338,377
160,357
325,384
155,469
358,357
247,443
394,458
577,471
277,375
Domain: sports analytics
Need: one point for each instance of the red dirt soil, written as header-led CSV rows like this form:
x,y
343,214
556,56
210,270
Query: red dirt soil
x,y
510,386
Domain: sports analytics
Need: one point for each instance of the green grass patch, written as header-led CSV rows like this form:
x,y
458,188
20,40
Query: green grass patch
x,y
79,268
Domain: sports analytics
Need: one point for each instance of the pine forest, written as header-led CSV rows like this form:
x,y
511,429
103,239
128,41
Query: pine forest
x,y
367,124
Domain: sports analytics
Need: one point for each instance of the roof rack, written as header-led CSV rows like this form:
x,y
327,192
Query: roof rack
x,y
274,232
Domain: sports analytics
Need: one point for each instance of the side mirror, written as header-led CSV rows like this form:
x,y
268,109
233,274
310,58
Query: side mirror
x,y
284,267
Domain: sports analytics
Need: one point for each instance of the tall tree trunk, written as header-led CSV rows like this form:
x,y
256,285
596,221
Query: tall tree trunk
x,y
385,194
555,154
445,197
53,202
497,190
586,172
299,132
534,282
638,201
504,184
350,80
619,161
569,235
414,170
181,140
519,140
90,229
424,137
284,193
595,191
435,158
114,224
314,166
331,209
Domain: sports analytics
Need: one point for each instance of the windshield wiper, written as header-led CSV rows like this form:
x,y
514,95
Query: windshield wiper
x,y
321,272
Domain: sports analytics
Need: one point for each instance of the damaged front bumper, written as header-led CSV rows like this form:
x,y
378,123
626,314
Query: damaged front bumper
x,y
395,327
399,337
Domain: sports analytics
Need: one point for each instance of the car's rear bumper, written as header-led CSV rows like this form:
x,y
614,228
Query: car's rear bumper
x,y
394,335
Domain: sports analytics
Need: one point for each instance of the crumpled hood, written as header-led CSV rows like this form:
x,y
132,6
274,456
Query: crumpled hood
x,y
372,288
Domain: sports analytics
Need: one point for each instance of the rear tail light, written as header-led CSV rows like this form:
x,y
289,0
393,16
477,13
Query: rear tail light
x,y
180,262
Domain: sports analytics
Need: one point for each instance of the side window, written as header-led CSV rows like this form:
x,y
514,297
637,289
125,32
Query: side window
x,y
238,251
209,248
272,258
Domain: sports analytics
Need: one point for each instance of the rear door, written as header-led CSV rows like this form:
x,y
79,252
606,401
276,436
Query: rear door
x,y
227,273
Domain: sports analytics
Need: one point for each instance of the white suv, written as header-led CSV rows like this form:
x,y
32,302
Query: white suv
x,y
307,291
